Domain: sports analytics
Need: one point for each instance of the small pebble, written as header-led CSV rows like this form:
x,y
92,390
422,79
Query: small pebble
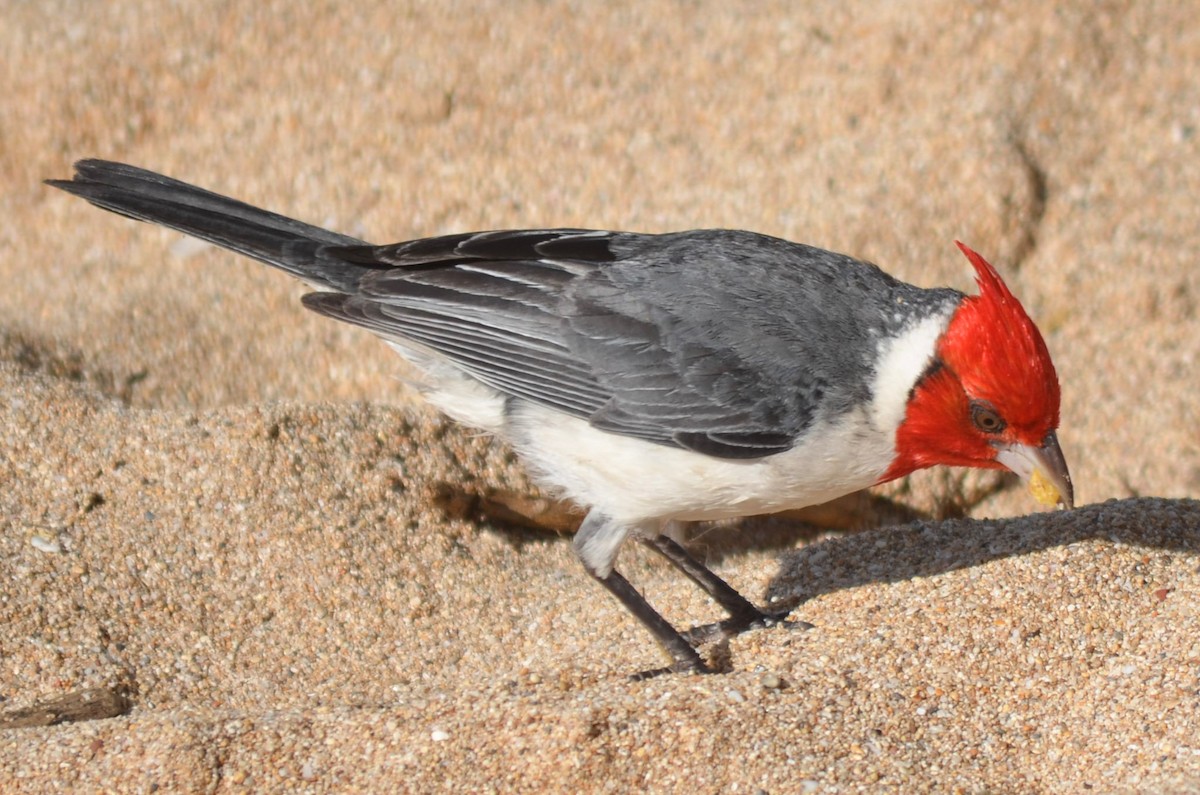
x,y
771,681
44,544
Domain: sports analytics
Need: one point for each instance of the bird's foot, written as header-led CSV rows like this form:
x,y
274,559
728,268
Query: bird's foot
x,y
736,625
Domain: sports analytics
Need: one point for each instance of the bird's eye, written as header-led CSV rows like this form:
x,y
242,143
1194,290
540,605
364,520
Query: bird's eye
x,y
986,418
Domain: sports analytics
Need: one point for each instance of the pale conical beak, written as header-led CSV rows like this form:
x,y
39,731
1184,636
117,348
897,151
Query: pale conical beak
x,y
1043,468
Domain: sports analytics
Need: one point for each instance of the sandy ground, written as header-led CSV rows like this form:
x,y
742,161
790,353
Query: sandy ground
x,y
231,513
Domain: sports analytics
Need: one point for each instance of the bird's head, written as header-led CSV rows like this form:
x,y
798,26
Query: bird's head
x,y
990,398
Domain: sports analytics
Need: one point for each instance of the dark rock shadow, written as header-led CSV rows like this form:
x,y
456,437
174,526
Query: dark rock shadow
x,y
48,357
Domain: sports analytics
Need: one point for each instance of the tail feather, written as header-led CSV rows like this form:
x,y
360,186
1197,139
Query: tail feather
x,y
301,249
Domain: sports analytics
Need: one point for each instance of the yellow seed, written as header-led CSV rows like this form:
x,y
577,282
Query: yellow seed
x,y
1043,490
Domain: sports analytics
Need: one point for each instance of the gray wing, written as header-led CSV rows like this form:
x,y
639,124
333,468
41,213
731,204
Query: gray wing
x,y
722,342
491,302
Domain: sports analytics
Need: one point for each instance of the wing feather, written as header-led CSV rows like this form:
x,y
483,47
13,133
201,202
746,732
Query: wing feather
x,y
713,341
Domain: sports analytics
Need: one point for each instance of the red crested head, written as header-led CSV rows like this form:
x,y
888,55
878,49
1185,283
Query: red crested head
x,y
991,397
1000,356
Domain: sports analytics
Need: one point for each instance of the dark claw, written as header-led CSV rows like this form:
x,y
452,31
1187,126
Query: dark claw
x,y
721,630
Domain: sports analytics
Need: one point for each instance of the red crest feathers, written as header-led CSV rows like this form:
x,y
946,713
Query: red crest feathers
x,y
1000,356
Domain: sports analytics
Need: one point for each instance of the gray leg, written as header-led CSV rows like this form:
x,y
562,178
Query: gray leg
x,y
597,544
687,660
743,615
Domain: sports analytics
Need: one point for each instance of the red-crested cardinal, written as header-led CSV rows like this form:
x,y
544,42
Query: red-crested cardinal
x,y
652,378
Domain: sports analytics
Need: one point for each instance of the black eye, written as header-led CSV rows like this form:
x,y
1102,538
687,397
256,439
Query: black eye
x,y
986,418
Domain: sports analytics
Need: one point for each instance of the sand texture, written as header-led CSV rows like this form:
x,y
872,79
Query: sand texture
x,y
237,555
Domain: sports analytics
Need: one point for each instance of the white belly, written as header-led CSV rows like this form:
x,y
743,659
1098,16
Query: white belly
x,y
634,481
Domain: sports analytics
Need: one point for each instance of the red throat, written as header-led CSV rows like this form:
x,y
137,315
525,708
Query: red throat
x,y
991,352
937,429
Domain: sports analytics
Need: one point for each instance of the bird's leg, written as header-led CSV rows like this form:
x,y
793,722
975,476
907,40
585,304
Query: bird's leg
x,y
597,543
743,615
687,659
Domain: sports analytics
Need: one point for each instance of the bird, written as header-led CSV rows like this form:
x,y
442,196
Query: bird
x,y
655,379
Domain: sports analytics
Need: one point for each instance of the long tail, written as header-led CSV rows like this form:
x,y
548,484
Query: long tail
x,y
308,252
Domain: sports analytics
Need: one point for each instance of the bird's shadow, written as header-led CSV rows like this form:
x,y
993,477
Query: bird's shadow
x,y
913,546
928,548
